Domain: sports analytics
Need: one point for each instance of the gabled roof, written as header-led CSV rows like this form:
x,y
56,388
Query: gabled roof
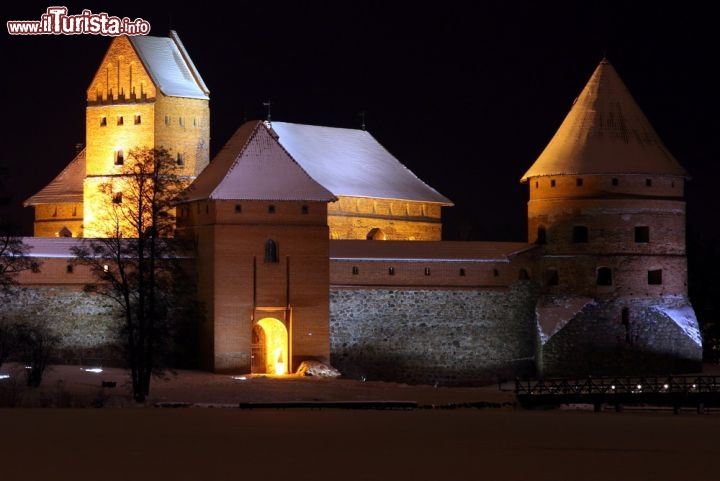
x,y
253,166
169,65
450,251
66,187
350,162
605,132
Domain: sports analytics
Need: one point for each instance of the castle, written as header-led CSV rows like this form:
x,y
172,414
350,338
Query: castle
x,y
316,243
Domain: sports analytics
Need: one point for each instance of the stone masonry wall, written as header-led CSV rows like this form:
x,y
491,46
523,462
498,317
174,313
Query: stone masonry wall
x,y
444,336
85,322
599,340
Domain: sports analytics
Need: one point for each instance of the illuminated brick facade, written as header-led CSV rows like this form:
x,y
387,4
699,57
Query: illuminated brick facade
x,y
291,263
126,110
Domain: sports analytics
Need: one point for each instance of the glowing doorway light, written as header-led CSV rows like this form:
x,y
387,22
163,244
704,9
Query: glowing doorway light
x,y
239,378
280,365
4,376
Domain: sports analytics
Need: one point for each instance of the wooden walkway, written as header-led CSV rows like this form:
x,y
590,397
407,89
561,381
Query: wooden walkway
x,y
699,392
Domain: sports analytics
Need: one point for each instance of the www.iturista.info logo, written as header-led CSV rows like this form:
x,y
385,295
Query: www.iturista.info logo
x,y
56,21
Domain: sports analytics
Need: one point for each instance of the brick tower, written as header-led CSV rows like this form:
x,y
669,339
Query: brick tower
x,y
607,206
146,93
259,225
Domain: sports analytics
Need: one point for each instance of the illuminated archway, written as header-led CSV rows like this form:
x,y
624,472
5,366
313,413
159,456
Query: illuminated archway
x,y
272,355
376,234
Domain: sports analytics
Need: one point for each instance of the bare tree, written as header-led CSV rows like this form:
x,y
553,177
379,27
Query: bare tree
x,y
13,252
136,261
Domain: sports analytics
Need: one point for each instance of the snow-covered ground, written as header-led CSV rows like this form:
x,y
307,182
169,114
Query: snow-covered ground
x,y
203,443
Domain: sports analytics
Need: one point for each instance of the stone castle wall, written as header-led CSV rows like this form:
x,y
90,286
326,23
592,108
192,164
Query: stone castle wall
x,y
445,336
624,336
85,322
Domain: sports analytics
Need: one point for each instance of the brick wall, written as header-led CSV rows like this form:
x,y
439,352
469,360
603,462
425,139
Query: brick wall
x,y
356,217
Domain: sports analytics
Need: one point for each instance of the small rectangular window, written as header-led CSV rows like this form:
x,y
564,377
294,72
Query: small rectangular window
x,y
181,121
103,121
238,208
120,120
180,159
462,272
580,234
615,181
34,267
168,121
579,182
69,269
642,234
391,271
648,182
119,157
355,270
271,209
138,119
552,277
195,122
304,209
604,276
537,184
496,273
552,183
427,271
655,277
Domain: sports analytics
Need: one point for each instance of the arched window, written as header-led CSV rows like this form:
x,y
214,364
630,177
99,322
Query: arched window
x,y
376,234
271,251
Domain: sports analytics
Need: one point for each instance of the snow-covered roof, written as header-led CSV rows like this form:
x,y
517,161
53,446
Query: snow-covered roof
x,y
254,166
50,247
66,187
350,162
451,251
169,65
605,132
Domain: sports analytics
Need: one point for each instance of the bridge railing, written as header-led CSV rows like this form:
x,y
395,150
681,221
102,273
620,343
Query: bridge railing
x,y
619,385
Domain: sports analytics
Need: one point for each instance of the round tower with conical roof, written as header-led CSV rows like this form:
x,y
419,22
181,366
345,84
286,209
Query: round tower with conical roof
x,y
607,207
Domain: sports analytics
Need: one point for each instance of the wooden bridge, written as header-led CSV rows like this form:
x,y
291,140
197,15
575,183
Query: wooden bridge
x,y
699,392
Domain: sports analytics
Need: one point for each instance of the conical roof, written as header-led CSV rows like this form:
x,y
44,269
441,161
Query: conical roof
x,y
254,166
605,133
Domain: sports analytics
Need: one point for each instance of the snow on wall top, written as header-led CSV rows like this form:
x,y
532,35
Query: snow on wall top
x,y
684,317
66,187
605,132
253,166
350,162
169,65
427,250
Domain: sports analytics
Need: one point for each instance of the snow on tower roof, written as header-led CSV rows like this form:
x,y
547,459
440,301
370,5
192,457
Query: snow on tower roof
x,y
169,65
66,187
605,132
350,162
254,166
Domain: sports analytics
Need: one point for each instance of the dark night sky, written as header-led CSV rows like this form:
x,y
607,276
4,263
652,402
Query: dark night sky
x,y
465,94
